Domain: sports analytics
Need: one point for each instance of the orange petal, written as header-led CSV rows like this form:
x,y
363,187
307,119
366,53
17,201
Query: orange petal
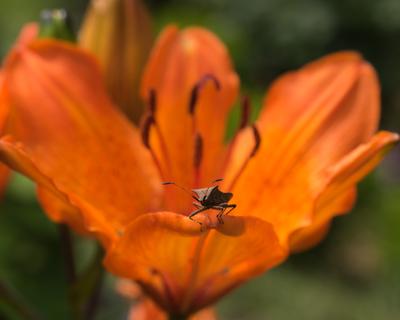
x,y
184,269
146,309
342,176
119,34
71,134
28,33
311,119
178,62
307,237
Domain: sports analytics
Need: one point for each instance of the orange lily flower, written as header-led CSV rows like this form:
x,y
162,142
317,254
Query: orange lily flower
x,y
290,173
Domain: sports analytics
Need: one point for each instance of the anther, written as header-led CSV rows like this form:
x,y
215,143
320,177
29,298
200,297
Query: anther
x,y
148,122
198,150
194,96
257,141
152,103
246,109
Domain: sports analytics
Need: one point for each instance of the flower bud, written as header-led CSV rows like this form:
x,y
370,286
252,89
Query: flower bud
x,y
118,32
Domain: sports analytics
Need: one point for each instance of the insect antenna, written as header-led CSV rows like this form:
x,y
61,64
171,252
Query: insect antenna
x,y
217,180
176,185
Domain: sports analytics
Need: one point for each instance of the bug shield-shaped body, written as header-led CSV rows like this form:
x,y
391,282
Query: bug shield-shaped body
x,y
212,198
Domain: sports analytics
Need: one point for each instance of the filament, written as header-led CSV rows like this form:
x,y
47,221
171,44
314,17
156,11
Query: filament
x,y
198,140
244,120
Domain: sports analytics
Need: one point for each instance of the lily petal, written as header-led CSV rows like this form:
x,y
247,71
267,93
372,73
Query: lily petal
x,y
64,125
28,33
185,269
178,62
312,118
337,196
146,309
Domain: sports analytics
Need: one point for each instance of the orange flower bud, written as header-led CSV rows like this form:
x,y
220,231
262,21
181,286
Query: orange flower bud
x,y
119,33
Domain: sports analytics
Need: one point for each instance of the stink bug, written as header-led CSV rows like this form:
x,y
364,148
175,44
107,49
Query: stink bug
x,y
209,198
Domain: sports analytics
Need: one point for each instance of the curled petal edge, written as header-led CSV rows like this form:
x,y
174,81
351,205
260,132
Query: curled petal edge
x,y
342,178
13,154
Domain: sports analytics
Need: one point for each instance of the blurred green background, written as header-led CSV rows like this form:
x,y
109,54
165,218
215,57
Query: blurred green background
x,y
354,273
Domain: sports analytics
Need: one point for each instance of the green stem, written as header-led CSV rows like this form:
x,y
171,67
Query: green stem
x,y
94,298
67,249
83,289
10,297
68,252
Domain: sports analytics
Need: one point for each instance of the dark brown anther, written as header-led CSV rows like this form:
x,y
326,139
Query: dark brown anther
x,y
193,100
152,101
257,140
245,116
197,87
147,123
198,150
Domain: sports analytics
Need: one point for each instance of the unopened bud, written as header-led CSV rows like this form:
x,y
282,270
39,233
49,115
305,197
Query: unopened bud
x,y
118,32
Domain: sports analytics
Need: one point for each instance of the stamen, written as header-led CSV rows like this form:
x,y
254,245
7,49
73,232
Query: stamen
x,y
244,120
198,141
152,101
147,123
245,116
150,122
256,147
146,128
198,150
257,141
194,96
198,156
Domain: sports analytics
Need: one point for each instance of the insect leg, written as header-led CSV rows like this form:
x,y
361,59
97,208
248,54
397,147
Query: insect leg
x,y
219,215
230,206
198,206
201,209
221,210
223,207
